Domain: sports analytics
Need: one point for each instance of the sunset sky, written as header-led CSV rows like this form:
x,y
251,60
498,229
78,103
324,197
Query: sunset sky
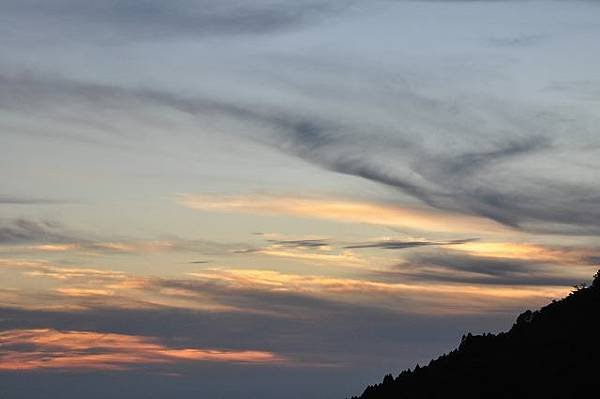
x,y
284,199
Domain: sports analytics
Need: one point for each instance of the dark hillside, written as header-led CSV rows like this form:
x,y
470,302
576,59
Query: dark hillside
x,y
550,353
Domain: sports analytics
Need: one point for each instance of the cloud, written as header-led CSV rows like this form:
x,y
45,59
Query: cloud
x,y
304,318
478,180
400,244
468,163
46,349
152,19
42,269
304,243
341,210
551,254
266,289
26,236
316,251
520,267
18,200
20,231
316,336
331,252
462,171
485,175
344,258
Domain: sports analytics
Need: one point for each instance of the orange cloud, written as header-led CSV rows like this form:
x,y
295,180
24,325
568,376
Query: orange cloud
x,y
38,349
84,292
344,258
343,210
43,268
100,247
527,251
134,247
402,296
54,247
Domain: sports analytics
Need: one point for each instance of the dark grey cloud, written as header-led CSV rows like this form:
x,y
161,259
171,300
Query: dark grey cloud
x,y
287,304
594,260
464,164
381,244
19,200
153,19
306,243
454,266
399,244
23,231
340,148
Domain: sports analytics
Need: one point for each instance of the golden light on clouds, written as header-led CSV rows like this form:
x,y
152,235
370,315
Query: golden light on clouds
x,y
53,247
526,251
131,247
411,297
344,258
343,211
39,349
203,290
84,292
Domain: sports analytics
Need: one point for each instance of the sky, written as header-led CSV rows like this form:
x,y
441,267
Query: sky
x,y
272,198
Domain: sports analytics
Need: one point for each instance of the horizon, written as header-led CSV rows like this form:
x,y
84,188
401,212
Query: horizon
x,y
225,199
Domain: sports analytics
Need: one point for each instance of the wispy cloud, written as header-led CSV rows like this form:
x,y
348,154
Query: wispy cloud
x,y
551,254
474,177
260,285
151,19
22,200
440,135
404,244
48,236
525,265
283,294
302,243
18,231
341,210
47,349
27,236
342,258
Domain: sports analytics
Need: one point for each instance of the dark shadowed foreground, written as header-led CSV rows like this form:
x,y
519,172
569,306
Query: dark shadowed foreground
x,y
549,353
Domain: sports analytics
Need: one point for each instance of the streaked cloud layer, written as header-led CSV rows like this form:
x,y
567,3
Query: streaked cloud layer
x,y
83,350
344,211
284,199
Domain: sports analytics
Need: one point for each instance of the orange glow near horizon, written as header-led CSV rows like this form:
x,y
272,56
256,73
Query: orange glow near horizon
x,y
86,350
